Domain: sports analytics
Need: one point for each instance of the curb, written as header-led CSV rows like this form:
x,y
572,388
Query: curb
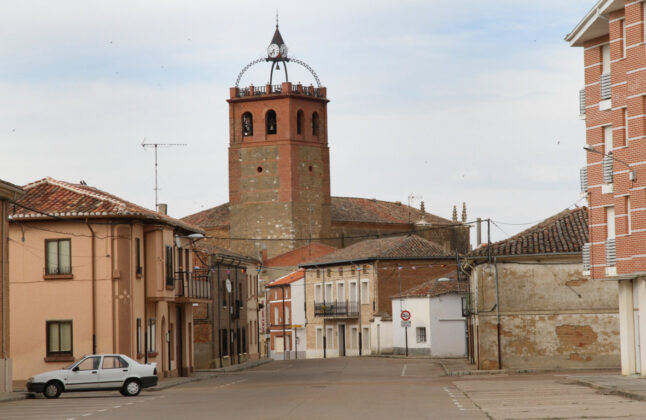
x,y
14,396
610,390
213,373
448,372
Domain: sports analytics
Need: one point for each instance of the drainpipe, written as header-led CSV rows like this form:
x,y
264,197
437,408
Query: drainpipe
x,y
258,311
4,270
284,341
497,314
93,269
360,302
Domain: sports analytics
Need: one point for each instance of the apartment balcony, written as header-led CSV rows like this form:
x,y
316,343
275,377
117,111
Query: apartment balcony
x,y
192,286
582,104
583,179
342,309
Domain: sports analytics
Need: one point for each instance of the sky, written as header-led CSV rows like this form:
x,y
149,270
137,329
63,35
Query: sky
x,y
448,102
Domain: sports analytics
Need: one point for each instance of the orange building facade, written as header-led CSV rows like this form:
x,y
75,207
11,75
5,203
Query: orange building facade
x,y
91,273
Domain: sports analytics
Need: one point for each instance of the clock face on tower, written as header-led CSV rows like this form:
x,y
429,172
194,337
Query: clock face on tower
x,y
273,50
283,50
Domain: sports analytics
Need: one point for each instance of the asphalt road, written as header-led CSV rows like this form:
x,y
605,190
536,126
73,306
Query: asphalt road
x,y
346,388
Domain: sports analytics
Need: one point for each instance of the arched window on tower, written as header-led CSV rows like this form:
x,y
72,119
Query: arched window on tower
x,y
315,124
247,124
299,122
270,122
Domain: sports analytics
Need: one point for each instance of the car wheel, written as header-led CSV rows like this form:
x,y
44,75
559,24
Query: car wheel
x,y
52,389
132,388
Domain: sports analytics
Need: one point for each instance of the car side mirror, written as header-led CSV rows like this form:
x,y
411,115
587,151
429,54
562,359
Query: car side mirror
x,y
75,369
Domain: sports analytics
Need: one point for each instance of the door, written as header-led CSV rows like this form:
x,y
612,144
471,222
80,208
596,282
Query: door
x,y
85,374
179,343
114,371
341,340
636,326
279,345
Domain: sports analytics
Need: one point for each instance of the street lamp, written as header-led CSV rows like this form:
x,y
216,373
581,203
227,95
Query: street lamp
x,y
632,175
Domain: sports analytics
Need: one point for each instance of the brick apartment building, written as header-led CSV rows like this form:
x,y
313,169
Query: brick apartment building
x,y
286,304
279,177
613,105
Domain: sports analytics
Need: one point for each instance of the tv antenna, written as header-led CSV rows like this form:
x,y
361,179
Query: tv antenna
x,y
156,146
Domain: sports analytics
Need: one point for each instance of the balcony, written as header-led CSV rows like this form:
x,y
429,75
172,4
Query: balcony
x,y
582,104
606,91
193,285
337,309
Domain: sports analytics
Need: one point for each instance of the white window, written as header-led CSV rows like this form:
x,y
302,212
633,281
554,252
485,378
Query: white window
x,y
625,115
340,291
353,291
607,139
605,59
365,338
420,333
152,347
287,316
365,292
329,338
623,36
628,217
319,338
328,292
610,222
318,293
276,318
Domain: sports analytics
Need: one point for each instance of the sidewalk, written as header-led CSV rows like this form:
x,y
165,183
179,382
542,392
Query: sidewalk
x,y
164,383
626,386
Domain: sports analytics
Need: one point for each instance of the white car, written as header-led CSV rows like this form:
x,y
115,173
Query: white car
x,y
97,372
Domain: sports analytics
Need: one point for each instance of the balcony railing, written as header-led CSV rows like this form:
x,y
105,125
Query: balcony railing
x,y
606,91
582,102
611,253
343,308
586,257
196,284
278,89
583,178
607,163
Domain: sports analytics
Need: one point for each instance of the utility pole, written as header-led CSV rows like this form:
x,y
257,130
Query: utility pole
x,y
401,305
360,326
156,146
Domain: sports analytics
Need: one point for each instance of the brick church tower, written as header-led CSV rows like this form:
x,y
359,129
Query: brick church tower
x,y
279,167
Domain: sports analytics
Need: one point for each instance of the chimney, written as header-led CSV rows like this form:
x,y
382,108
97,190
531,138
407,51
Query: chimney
x,y
162,208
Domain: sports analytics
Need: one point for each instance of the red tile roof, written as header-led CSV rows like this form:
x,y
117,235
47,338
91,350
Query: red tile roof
x,y
288,279
407,247
300,255
206,249
49,198
436,287
343,209
565,232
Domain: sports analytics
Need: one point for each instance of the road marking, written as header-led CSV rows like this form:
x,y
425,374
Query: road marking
x,y
117,406
101,411
404,371
86,414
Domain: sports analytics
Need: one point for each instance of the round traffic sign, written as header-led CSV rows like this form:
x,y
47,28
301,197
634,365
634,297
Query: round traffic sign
x,y
405,315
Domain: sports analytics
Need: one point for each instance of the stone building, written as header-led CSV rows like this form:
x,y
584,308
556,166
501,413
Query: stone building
x,y
227,329
531,306
8,193
612,105
279,177
347,289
